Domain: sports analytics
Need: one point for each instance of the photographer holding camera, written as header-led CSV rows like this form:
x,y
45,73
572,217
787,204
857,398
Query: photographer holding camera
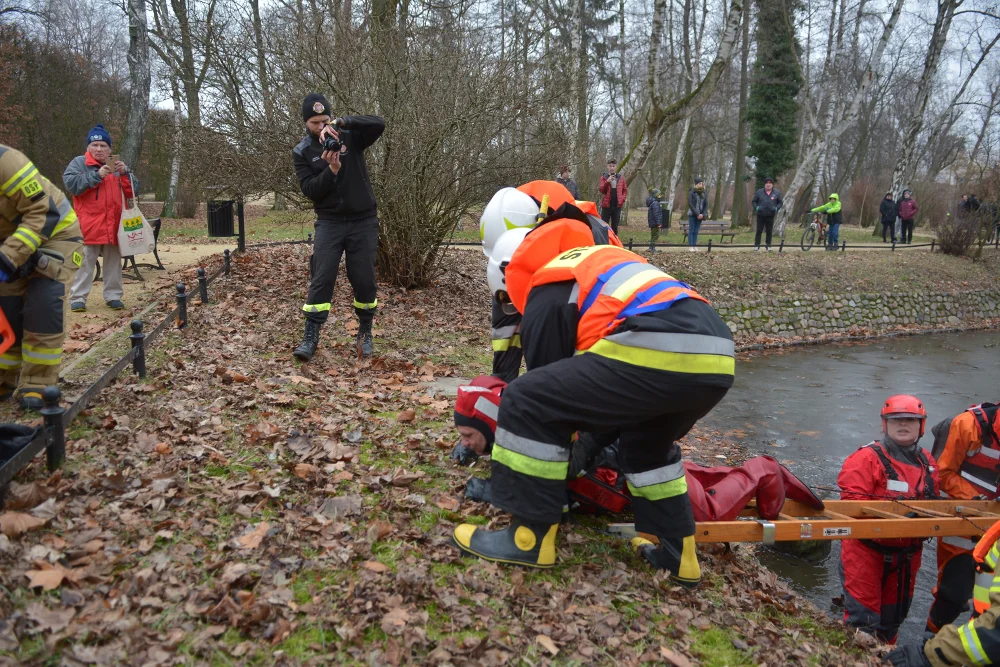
x,y
332,172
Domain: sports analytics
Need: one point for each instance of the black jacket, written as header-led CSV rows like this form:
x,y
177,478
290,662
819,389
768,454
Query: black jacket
x,y
346,196
698,203
766,205
887,209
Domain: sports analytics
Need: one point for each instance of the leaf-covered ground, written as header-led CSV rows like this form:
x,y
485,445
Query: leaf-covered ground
x,y
239,508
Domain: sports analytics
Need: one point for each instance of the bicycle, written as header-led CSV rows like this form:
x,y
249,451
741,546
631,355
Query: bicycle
x,y
816,227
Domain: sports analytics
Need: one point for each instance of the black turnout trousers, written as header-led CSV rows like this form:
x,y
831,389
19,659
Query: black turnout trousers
x,y
359,240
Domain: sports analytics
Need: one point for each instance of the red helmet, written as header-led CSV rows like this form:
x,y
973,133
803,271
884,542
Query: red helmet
x,y
904,406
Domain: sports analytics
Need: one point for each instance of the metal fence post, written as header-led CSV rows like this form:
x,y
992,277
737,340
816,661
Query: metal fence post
x,y
225,256
781,247
894,245
202,285
137,338
932,244
182,314
309,238
843,248
630,243
709,245
55,452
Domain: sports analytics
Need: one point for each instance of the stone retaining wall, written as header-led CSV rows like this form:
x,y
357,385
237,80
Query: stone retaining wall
x,y
851,313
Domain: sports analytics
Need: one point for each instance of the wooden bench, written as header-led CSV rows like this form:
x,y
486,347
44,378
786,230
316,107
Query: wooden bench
x,y
155,224
711,228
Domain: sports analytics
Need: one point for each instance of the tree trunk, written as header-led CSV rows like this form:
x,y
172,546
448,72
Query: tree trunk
x,y
175,160
818,143
905,164
659,118
675,173
739,161
139,78
581,147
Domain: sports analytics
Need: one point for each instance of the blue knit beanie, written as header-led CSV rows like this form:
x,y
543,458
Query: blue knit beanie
x,y
99,134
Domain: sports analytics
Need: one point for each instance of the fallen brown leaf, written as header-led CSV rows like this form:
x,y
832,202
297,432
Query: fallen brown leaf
x,y
407,415
253,539
547,644
375,566
14,524
674,658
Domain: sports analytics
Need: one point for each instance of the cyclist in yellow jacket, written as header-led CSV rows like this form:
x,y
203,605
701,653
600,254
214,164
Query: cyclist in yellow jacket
x,y
833,219
40,244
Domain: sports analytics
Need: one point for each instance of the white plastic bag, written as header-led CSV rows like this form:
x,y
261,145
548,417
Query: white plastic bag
x,y
135,235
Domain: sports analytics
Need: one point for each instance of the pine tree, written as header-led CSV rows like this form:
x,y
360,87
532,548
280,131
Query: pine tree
x,y
772,108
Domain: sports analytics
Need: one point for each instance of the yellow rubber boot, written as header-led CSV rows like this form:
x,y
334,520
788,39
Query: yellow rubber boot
x,y
679,555
521,543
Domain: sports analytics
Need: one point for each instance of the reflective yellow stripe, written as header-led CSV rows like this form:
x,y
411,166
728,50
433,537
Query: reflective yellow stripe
x,y
10,360
633,284
973,647
316,307
28,237
66,221
666,361
993,556
22,173
43,356
526,465
502,345
677,487
365,306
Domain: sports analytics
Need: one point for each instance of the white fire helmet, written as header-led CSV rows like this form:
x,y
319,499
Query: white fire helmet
x,y
502,252
509,209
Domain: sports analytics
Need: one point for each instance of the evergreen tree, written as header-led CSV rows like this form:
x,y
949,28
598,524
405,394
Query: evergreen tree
x,y
773,107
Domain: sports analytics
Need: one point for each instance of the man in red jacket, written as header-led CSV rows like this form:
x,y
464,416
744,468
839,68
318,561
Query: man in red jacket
x,y
614,190
878,575
100,190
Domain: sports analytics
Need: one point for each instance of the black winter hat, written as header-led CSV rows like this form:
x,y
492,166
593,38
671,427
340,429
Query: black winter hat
x,y
315,105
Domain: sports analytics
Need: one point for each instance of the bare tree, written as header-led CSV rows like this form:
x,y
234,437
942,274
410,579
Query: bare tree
x,y
139,79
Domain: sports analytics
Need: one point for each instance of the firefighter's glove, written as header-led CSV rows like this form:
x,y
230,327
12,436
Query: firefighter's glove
x,y
479,490
463,455
911,655
9,273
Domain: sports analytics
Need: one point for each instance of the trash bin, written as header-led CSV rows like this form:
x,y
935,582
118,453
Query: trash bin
x,y
220,218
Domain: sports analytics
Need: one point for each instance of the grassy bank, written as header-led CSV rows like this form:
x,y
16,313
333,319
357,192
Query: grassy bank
x,y
239,508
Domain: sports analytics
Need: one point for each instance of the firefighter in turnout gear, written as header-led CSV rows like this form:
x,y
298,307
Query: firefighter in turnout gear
x,y
519,208
967,449
878,576
613,346
40,252
337,183
976,642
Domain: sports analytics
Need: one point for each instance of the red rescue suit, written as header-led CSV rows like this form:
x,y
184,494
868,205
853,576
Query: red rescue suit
x,y
967,448
878,575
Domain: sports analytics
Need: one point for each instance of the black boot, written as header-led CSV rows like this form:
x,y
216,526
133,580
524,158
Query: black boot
x,y
364,339
677,554
521,543
310,341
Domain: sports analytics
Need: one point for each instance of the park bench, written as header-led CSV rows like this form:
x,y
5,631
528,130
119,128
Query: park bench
x,y
155,224
711,228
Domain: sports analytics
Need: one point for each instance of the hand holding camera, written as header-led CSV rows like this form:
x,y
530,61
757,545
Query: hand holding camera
x,y
104,170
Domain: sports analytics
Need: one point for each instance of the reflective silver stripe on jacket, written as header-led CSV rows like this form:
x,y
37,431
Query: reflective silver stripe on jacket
x,y
978,482
533,448
675,342
960,542
625,274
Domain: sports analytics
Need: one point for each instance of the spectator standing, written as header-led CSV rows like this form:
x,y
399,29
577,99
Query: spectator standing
x,y
697,211
565,178
99,189
887,209
766,203
834,217
906,208
654,217
613,190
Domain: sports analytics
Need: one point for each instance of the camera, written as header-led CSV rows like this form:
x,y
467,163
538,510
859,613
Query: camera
x,y
332,144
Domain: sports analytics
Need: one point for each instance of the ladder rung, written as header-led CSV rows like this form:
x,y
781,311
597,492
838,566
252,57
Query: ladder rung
x,y
880,513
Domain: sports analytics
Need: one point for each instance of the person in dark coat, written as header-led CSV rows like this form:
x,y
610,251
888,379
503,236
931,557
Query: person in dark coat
x,y
697,211
887,209
654,216
766,203
565,178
